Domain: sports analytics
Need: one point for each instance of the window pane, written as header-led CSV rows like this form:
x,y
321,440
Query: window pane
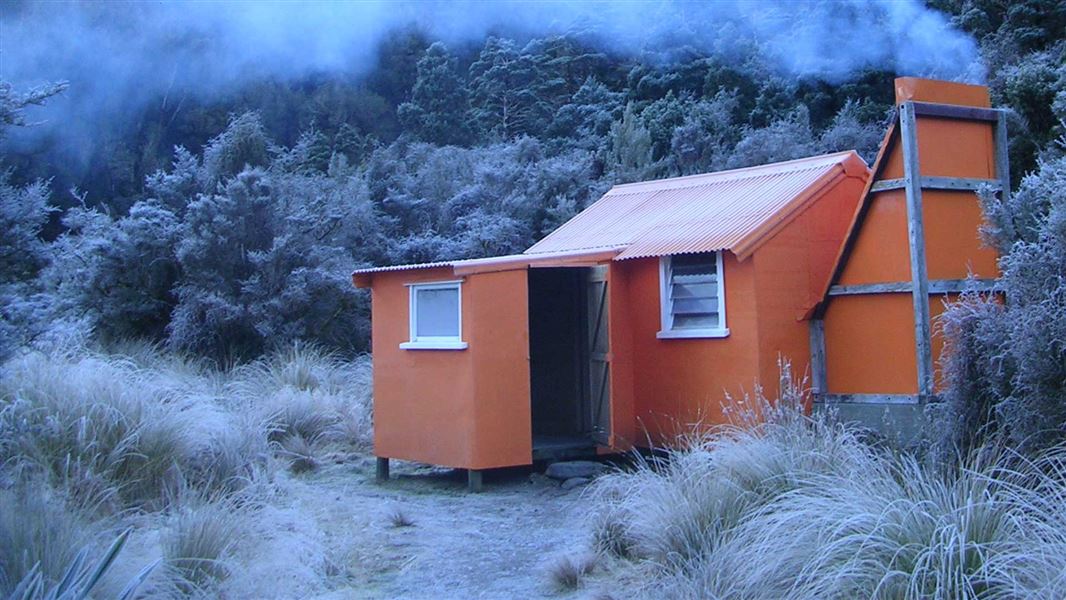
x,y
694,291
691,306
696,321
437,312
693,264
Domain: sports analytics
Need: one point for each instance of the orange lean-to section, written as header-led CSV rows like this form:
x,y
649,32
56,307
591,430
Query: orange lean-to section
x,y
466,408
870,338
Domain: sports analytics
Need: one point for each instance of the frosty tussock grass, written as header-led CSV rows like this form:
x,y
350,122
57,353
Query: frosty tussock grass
x,y
799,507
91,443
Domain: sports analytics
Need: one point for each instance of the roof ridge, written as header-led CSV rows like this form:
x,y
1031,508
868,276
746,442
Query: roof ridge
x,y
736,174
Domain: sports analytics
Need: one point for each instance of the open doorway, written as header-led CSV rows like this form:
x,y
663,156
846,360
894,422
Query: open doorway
x,y
569,371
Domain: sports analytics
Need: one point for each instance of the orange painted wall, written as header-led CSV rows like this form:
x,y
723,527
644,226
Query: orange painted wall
x,y
790,273
953,245
869,345
624,430
457,408
880,253
677,382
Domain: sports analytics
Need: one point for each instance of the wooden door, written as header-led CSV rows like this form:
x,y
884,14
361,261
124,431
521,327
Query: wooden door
x,y
599,366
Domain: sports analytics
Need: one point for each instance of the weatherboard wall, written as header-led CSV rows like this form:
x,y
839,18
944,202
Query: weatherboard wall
x,y
458,408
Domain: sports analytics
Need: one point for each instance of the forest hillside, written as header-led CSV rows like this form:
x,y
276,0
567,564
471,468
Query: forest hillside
x,y
179,181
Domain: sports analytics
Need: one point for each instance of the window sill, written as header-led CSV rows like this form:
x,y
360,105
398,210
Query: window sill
x,y
681,334
456,345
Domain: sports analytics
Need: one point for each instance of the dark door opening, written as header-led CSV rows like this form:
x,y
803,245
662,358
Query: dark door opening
x,y
568,359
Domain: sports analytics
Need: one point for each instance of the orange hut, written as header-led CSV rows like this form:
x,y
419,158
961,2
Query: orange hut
x,y
630,319
637,315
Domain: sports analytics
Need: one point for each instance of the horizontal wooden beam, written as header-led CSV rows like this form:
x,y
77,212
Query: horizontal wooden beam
x,y
938,183
936,286
957,286
877,398
897,287
951,111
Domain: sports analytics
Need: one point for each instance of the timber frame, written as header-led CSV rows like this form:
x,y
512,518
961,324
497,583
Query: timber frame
x,y
920,286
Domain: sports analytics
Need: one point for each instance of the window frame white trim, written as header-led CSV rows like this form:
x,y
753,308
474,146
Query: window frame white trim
x,y
666,322
448,342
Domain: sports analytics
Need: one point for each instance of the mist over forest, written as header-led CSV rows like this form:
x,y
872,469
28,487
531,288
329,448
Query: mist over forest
x,y
207,175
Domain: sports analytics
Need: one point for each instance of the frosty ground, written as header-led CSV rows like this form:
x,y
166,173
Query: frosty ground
x,y
496,544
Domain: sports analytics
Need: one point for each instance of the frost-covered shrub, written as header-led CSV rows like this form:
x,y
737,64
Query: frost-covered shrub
x,y
128,291
23,213
850,131
1007,363
786,138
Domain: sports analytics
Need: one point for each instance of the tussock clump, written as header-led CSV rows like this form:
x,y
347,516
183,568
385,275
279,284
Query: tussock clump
x,y
179,451
301,453
796,507
305,391
200,541
37,528
568,572
399,518
101,424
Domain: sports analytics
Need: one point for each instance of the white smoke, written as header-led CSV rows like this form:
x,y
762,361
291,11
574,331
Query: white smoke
x,y
119,55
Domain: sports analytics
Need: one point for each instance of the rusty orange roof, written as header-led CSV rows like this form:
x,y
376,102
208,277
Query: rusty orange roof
x,y
728,210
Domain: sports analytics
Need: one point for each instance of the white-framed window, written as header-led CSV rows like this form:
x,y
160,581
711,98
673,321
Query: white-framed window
x,y
436,316
692,296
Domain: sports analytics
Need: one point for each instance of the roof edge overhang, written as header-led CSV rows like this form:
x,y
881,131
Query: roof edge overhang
x,y
363,278
569,258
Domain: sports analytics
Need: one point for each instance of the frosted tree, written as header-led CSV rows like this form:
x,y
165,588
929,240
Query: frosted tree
x,y
588,116
706,135
439,105
503,98
13,104
849,131
129,290
219,235
784,139
23,213
630,153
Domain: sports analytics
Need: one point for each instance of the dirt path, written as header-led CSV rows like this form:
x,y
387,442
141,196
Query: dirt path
x,y
337,523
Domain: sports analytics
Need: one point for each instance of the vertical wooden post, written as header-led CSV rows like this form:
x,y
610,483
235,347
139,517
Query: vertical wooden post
x,y
382,473
473,480
819,380
912,181
1002,156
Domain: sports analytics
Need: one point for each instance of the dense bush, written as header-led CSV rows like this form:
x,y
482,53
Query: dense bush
x,y
1006,359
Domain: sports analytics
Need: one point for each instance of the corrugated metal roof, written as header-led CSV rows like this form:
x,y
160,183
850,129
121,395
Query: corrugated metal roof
x,y
429,265
699,213
470,266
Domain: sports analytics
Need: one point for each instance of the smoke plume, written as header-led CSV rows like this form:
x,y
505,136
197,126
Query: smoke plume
x,y
119,56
